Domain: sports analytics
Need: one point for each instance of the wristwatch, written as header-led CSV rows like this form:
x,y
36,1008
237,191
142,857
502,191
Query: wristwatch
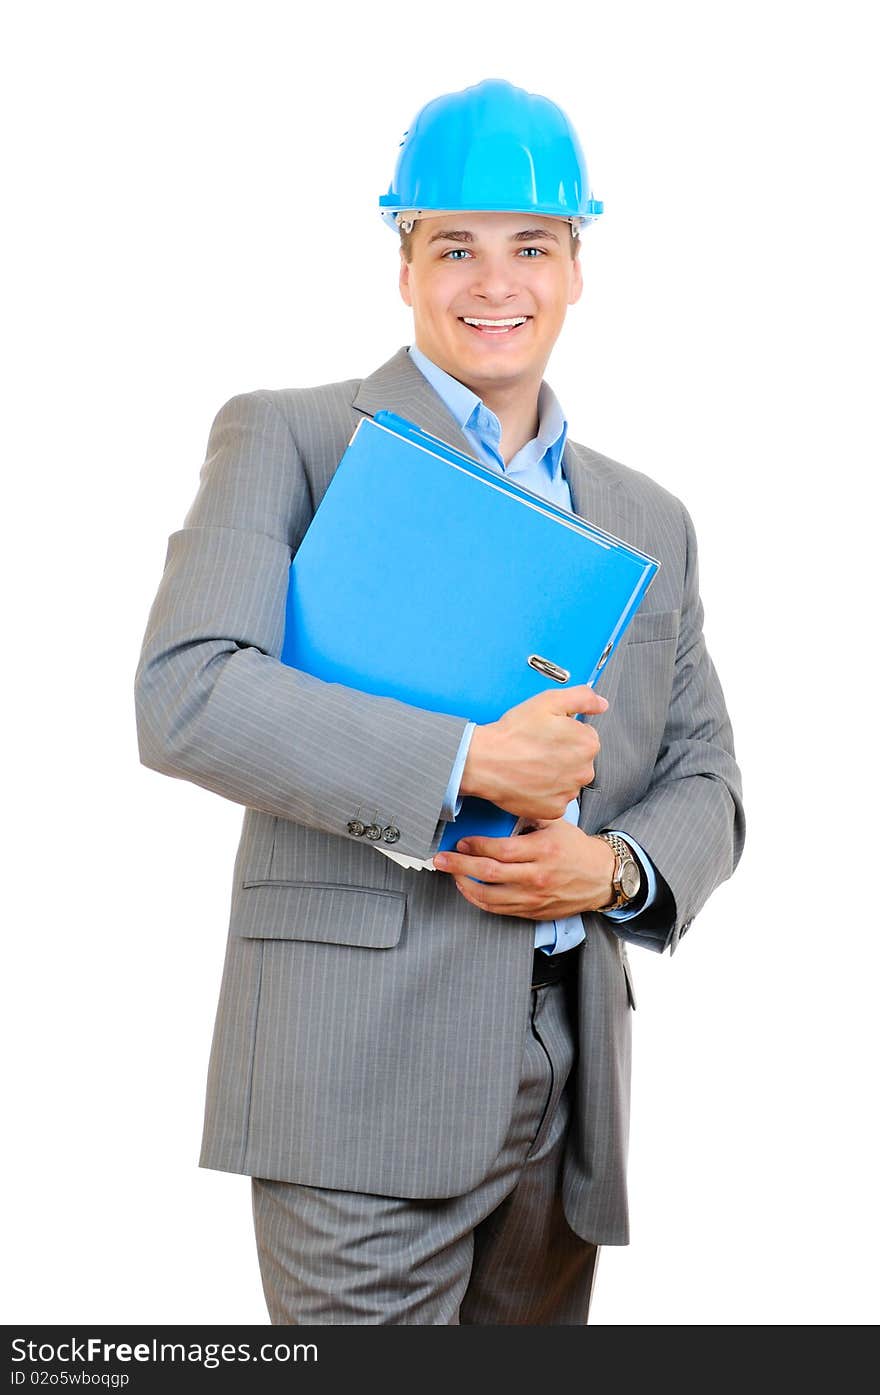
x,y
626,879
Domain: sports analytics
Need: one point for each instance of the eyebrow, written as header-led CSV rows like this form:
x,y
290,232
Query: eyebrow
x,y
461,235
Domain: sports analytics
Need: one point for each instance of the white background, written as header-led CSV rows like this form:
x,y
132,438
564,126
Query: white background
x,y
191,207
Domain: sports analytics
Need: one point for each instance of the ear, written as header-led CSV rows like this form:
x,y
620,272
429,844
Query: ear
x,y
577,280
405,291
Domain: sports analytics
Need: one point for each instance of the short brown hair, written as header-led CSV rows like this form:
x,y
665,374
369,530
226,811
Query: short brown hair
x,y
407,237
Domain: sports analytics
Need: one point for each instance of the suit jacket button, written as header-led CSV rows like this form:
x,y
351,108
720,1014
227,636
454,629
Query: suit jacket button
x,y
356,828
373,832
390,834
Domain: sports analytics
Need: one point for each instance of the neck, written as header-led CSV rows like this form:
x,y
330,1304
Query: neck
x,y
516,407
514,402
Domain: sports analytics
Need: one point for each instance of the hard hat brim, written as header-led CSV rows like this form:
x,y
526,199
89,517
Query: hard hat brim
x,y
394,214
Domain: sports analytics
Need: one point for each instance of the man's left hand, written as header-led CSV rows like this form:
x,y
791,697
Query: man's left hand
x,y
555,870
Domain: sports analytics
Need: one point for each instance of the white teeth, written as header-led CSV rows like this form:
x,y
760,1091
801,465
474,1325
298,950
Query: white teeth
x,y
496,324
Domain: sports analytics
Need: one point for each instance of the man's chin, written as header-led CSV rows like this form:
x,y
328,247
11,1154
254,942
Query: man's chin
x,y
476,370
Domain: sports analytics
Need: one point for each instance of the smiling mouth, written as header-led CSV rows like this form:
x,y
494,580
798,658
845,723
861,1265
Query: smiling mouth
x,y
495,327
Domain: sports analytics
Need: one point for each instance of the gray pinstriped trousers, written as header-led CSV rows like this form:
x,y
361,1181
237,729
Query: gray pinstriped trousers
x,y
502,1254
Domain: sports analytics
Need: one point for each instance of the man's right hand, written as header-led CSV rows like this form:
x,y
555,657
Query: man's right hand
x,y
534,760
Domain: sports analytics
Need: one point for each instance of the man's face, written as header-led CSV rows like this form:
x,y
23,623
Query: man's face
x,y
493,268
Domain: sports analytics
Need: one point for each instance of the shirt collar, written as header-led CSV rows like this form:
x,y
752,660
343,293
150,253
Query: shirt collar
x,y
470,412
461,402
552,427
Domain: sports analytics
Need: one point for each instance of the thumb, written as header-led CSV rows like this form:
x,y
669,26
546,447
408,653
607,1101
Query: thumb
x,y
571,701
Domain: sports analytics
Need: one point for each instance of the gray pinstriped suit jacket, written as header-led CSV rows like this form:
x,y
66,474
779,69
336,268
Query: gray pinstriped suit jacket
x,y
371,1022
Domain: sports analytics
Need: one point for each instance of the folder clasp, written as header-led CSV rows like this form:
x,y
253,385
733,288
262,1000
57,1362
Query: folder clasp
x,y
548,668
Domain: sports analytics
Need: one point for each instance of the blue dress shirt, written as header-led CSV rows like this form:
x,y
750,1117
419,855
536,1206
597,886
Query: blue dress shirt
x,y
537,466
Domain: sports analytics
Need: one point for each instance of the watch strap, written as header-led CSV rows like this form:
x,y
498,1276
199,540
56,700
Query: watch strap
x,y
623,853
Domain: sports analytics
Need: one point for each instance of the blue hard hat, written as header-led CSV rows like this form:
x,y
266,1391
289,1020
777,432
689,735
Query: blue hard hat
x,y
491,148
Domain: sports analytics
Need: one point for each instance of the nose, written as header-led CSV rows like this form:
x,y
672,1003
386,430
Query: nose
x,y
495,280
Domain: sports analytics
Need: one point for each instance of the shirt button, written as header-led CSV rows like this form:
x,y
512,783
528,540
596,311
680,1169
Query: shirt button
x,y
356,828
373,832
390,834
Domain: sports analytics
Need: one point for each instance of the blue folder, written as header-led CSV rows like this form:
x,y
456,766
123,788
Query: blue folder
x,y
428,577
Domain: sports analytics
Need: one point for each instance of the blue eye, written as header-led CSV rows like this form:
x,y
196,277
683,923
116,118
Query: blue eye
x,y
459,253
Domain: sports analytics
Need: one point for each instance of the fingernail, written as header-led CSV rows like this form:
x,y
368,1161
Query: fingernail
x,y
441,860
463,846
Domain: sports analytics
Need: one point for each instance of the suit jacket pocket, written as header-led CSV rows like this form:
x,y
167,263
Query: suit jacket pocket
x,y
323,912
652,625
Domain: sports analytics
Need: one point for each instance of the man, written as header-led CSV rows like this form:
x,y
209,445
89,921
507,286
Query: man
x,y
426,1074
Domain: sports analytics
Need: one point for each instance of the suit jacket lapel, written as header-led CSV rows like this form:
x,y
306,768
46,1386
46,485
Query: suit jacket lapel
x,y
598,496
399,387
595,493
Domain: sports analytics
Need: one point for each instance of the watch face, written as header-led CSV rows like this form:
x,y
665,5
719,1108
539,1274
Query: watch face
x,y
630,880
